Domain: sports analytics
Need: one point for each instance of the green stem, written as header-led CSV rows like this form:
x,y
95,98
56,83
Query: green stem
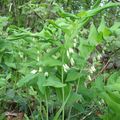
x,y
77,87
63,113
63,93
41,110
46,106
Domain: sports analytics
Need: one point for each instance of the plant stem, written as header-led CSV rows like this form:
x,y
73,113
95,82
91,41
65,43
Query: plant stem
x,y
63,113
63,93
46,106
77,87
41,110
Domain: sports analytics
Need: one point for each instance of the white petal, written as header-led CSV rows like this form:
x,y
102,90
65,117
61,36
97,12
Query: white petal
x,y
33,71
93,69
89,78
72,61
46,74
68,55
71,50
40,69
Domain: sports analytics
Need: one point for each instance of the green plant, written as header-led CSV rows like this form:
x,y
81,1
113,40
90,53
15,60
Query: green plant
x,y
51,66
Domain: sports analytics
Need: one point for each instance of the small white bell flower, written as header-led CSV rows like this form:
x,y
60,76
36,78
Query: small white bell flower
x,y
66,67
46,74
99,56
71,50
38,58
74,44
72,61
75,40
89,78
68,55
93,68
40,69
33,71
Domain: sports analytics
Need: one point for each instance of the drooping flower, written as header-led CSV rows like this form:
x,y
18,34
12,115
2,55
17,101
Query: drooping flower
x,y
46,74
66,67
99,56
71,50
89,78
92,69
40,69
72,61
68,55
33,71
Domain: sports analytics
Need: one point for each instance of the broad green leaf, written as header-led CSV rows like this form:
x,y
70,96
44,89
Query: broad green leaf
x,y
49,61
53,82
112,79
72,76
102,25
99,85
94,37
40,82
115,26
97,10
115,96
74,98
85,48
2,82
24,81
115,86
112,104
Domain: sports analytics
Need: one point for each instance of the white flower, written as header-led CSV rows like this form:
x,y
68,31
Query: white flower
x,y
68,55
99,56
33,71
38,58
40,69
91,71
21,54
54,56
72,61
46,74
101,4
38,52
74,44
10,7
93,68
89,78
75,40
66,67
71,50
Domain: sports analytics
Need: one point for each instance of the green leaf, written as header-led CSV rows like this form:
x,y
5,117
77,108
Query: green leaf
x,y
94,37
72,76
115,86
97,10
74,97
115,96
40,82
85,48
24,81
99,85
112,79
112,104
53,82
102,25
49,61
2,82
115,27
